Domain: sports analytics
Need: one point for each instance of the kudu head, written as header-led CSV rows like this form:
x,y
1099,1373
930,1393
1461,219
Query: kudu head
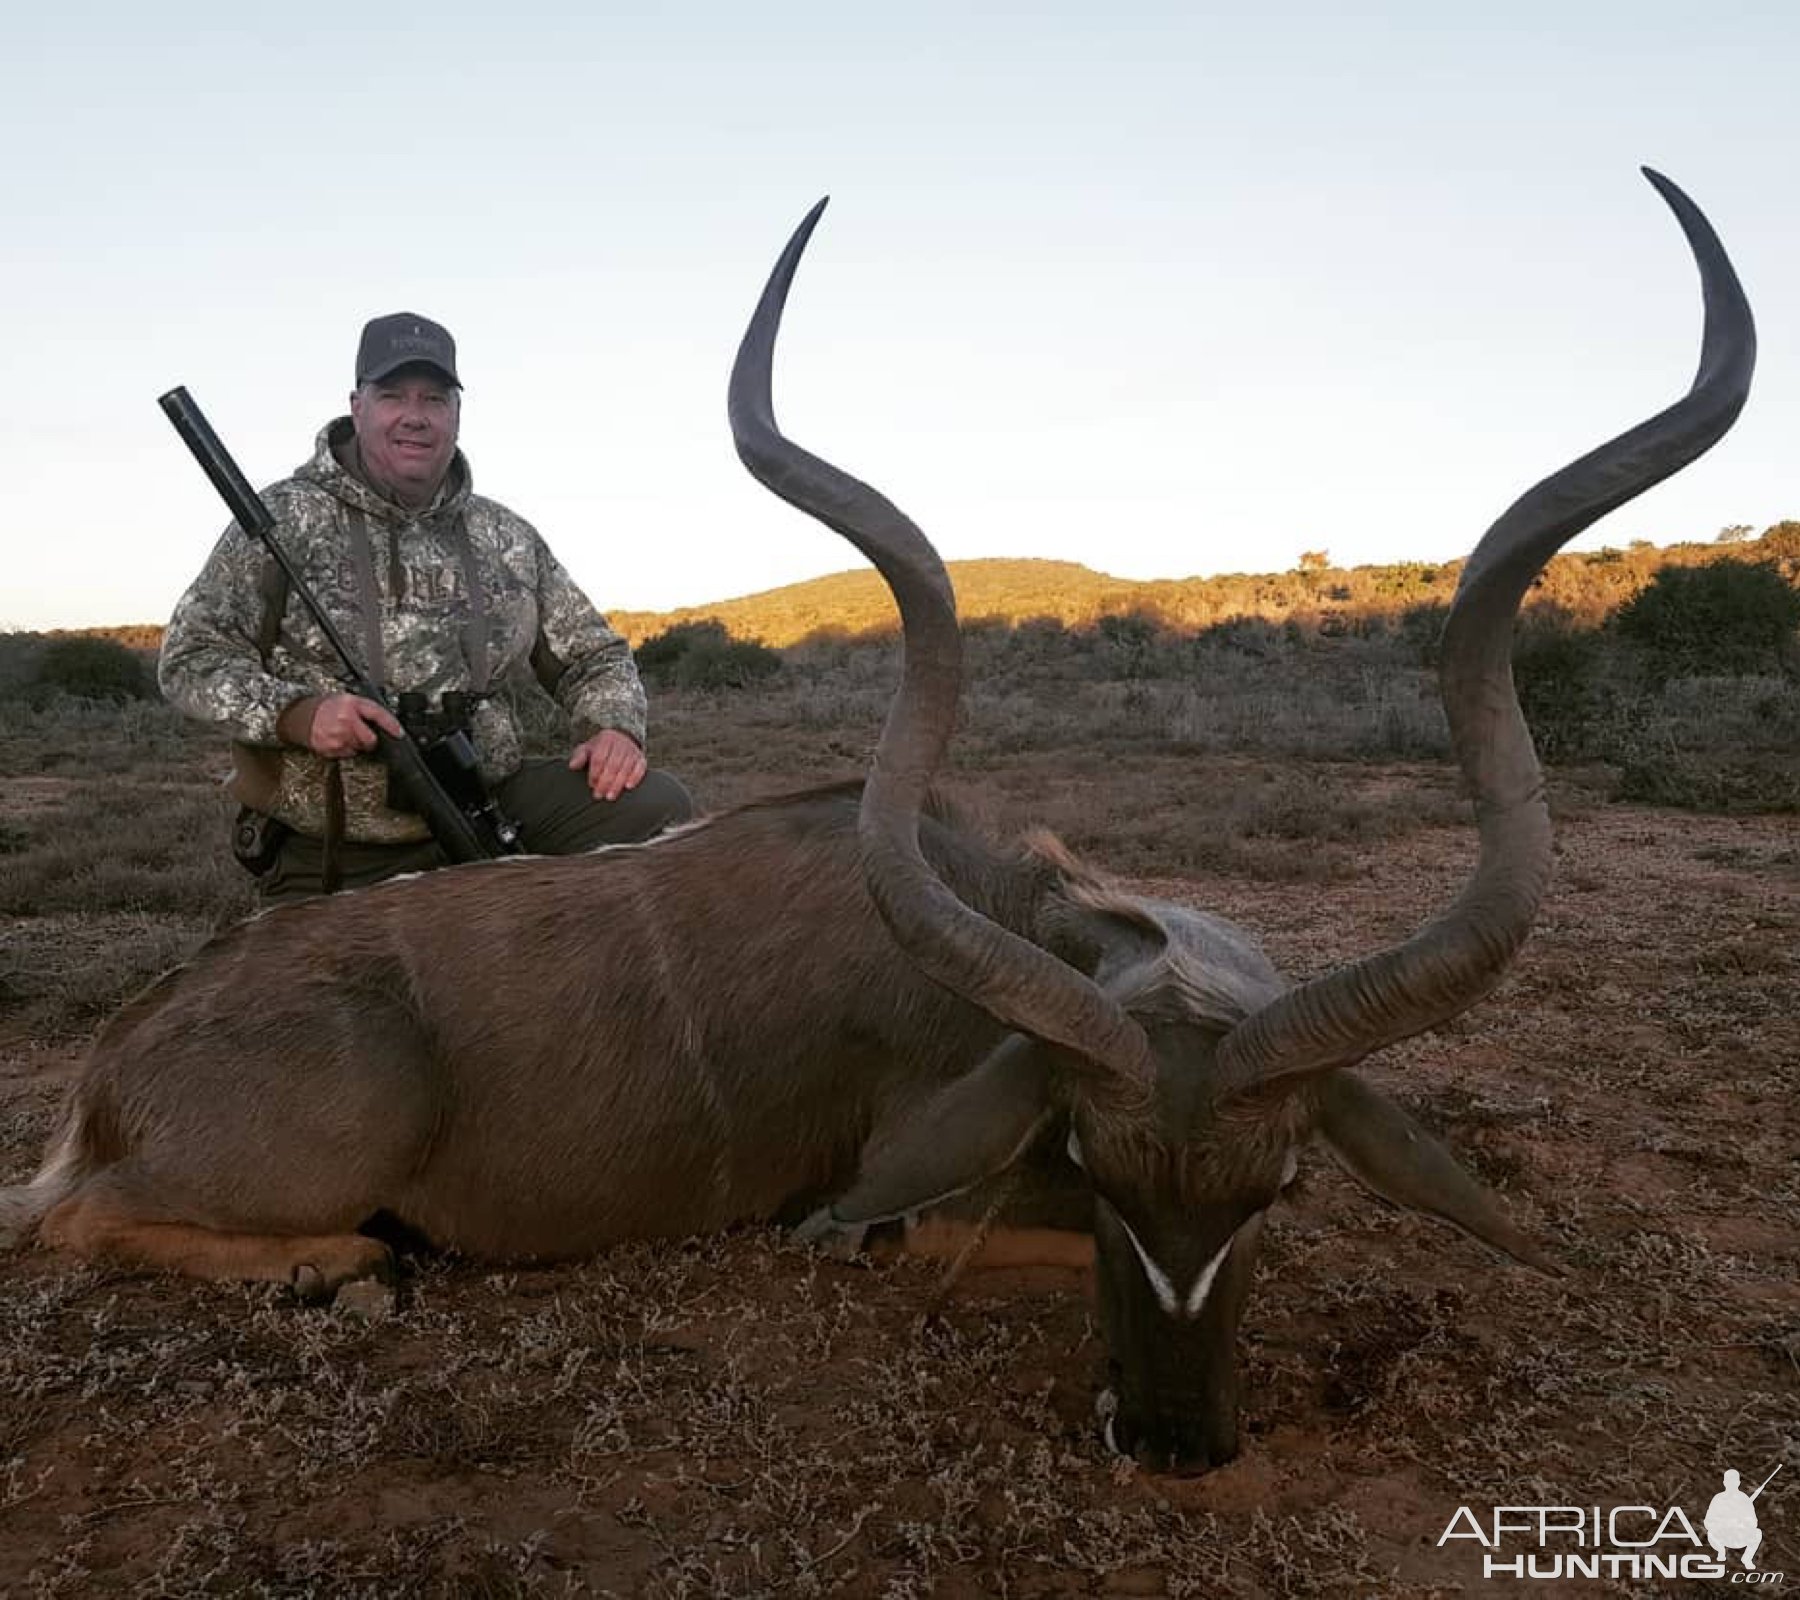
x,y
1183,1068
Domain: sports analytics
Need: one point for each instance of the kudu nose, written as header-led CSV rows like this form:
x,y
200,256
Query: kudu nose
x,y
1176,1446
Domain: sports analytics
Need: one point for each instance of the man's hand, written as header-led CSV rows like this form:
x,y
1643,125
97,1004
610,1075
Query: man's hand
x,y
614,763
341,725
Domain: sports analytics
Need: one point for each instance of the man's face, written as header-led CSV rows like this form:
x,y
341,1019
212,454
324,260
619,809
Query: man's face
x,y
406,430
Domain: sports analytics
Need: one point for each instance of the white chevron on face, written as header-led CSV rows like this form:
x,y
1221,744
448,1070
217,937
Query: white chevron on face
x,y
1160,1282
1164,1288
1203,1284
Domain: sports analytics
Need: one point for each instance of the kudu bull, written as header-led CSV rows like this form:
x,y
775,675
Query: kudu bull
x,y
817,1002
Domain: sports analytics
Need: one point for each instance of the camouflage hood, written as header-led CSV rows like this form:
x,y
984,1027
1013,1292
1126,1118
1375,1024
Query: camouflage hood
x,y
457,596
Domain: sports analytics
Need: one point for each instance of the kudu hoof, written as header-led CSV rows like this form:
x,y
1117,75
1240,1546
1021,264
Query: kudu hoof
x,y
340,1265
843,1241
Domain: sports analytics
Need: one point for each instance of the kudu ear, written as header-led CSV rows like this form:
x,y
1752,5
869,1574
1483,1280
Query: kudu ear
x,y
1380,1146
972,1128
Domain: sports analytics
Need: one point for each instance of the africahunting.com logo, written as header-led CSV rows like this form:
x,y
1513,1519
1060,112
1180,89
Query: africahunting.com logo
x,y
1636,1542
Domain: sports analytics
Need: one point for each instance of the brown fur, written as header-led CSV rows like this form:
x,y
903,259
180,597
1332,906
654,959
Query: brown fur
x,y
528,1058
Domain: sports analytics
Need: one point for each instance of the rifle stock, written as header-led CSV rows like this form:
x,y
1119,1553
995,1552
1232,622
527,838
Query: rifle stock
x,y
449,826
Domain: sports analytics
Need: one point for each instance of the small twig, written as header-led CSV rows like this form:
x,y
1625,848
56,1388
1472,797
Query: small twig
x,y
825,1555
1003,1192
8,1501
143,1504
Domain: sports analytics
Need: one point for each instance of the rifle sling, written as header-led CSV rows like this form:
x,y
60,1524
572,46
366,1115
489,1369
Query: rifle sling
x,y
368,601
477,631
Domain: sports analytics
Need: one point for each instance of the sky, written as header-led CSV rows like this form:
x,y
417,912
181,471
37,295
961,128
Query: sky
x,y
1168,290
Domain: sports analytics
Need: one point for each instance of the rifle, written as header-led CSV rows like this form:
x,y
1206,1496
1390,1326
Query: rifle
x,y
466,824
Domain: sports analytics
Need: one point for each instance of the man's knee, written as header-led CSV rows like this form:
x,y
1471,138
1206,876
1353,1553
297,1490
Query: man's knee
x,y
558,814
301,870
659,802
664,800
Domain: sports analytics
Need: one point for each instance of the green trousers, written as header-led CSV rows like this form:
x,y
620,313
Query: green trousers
x,y
553,806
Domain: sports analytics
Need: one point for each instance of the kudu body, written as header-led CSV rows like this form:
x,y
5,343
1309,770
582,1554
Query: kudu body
x,y
834,1002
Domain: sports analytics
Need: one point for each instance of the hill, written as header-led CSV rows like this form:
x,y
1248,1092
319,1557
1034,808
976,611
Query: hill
x,y
1587,586
858,601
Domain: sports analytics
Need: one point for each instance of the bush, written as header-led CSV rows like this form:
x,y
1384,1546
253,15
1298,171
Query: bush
x,y
703,655
94,668
1559,670
1714,744
1728,617
19,653
1256,637
1128,645
1422,630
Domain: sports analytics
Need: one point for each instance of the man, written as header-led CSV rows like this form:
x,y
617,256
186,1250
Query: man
x,y
442,591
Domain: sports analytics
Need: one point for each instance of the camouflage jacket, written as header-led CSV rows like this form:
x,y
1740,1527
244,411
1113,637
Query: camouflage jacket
x,y
213,666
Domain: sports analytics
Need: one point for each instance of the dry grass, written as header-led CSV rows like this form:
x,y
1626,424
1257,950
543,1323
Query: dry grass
x,y
105,881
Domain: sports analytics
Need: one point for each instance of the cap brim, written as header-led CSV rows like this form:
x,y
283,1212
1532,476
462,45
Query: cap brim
x,y
376,374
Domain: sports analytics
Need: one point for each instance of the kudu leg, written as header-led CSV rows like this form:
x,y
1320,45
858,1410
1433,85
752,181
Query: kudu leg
x,y
1035,1214
941,1238
108,1221
1031,1215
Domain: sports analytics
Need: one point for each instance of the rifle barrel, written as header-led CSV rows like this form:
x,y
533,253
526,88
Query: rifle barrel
x,y
215,461
255,518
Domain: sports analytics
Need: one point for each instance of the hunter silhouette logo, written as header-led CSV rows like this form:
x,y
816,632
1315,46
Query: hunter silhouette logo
x,y
1731,1519
1628,1541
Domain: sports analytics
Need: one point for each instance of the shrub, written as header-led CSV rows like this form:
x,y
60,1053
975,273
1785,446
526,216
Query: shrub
x,y
93,668
1728,617
1714,744
19,653
703,655
1255,637
1780,544
1559,670
1422,629
1128,643
659,654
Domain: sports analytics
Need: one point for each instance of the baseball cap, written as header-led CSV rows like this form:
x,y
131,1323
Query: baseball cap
x,y
400,339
